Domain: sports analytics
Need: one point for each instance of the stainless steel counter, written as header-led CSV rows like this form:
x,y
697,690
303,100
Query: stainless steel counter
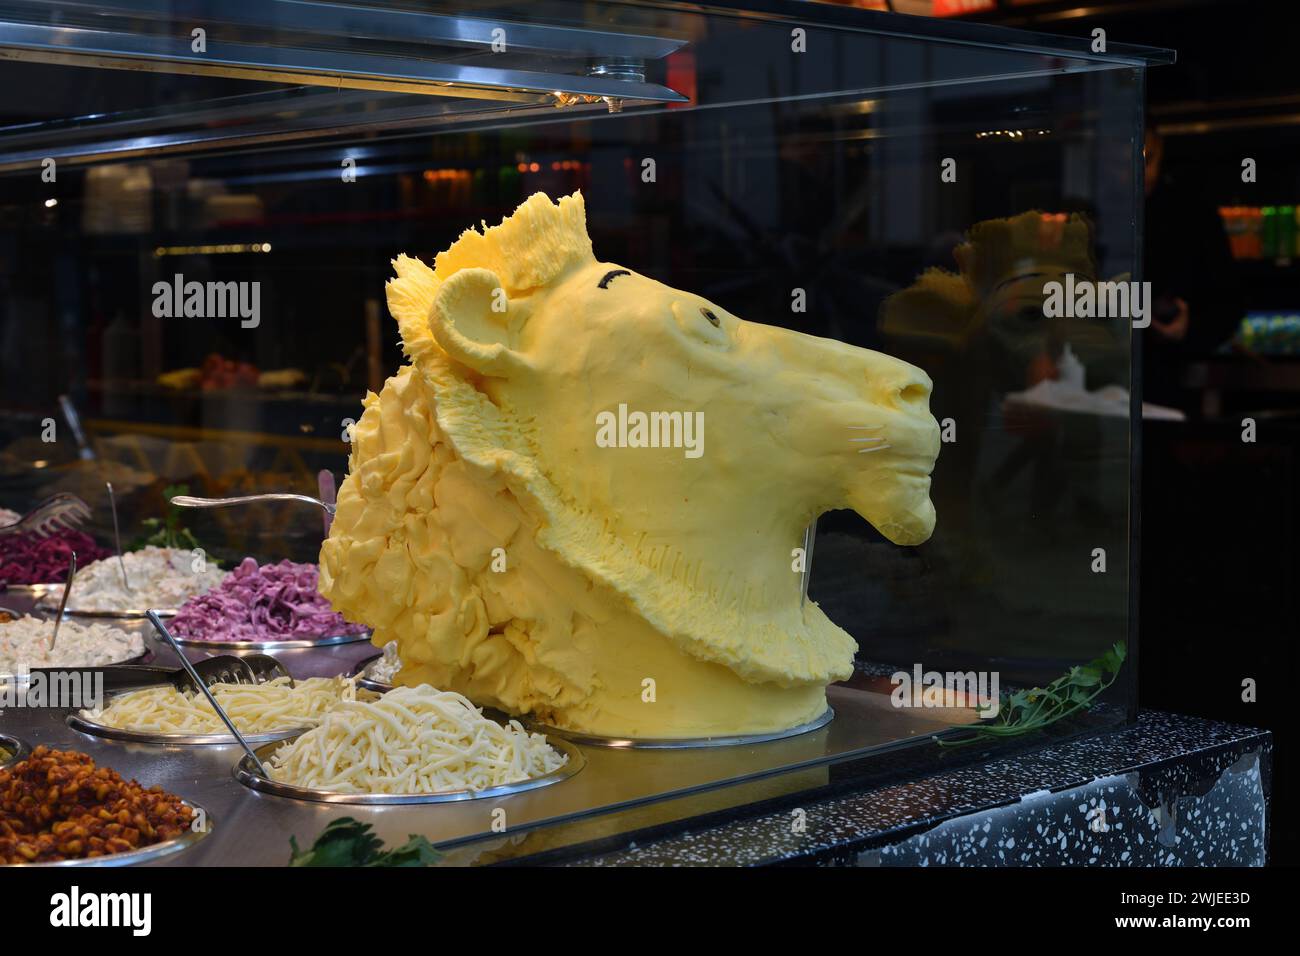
x,y
254,829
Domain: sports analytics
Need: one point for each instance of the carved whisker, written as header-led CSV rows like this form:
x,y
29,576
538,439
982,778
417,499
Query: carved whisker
x,y
863,451
866,439
866,428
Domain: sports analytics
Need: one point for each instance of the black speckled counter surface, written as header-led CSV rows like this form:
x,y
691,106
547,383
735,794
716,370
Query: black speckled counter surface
x,y
1169,791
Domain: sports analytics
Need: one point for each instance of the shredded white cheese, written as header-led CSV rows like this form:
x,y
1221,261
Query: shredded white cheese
x,y
412,740
255,708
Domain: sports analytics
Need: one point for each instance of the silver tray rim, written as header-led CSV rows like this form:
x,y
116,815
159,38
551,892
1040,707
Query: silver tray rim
x,y
90,728
126,614
10,678
31,590
680,743
625,743
143,855
326,640
20,748
243,772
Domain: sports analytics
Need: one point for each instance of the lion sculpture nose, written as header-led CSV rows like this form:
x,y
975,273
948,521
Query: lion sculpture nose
x,y
900,385
914,392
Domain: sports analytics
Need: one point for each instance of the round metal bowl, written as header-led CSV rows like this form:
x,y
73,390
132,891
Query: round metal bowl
x,y
326,640
144,854
17,749
680,743
84,725
246,773
362,673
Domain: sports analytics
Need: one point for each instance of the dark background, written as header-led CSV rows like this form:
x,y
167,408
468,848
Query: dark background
x,y
1219,571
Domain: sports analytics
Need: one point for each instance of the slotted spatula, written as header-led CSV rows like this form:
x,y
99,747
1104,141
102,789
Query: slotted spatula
x,y
61,512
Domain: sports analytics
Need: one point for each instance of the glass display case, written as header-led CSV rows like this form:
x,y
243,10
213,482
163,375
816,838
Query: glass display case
x,y
204,201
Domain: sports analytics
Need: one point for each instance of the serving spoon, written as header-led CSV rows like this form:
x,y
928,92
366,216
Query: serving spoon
x,y
188,501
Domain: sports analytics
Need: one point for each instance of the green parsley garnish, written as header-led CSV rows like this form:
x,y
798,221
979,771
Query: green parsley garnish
x,y
348,842
1028,710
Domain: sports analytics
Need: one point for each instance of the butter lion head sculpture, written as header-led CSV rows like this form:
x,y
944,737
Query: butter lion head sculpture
x,y
580,500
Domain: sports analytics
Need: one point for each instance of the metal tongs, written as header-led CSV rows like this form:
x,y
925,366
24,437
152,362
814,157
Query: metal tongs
x,y
61,512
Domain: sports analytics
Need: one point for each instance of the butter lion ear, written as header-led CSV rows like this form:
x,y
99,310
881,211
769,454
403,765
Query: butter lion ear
x,y
470,319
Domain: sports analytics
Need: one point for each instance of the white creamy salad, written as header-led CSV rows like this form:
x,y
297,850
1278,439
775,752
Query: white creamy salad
x,y
158,577
384,669
25,644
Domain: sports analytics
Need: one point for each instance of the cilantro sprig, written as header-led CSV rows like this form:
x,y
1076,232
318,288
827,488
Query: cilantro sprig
x,y
169,532
1028,710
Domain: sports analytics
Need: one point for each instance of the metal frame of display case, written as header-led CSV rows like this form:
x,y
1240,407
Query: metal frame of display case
x,y
360,71
547,66
1135,437
381,23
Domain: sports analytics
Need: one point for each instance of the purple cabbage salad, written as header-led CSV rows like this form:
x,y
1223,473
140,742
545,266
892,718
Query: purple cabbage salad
x,y
274,602
27,559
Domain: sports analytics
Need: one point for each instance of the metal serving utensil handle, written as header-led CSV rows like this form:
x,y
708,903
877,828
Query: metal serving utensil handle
x,y
63,601
809,539
187,501
156,621
116,677
84,449
329,496
117,537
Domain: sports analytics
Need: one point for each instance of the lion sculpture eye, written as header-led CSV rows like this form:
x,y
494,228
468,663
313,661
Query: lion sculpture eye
x,y
713,319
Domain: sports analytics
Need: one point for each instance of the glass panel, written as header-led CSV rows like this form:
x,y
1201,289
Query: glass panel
x,y
912,192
